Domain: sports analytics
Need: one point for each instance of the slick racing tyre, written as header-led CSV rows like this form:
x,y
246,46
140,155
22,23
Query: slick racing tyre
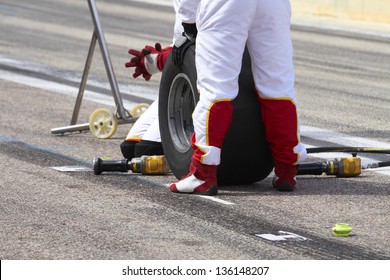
x,y
245,156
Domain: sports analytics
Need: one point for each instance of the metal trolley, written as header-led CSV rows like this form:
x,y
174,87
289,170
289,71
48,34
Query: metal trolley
x,y
102,123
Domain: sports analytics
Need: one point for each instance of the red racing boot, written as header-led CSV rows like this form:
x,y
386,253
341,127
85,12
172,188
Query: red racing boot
x,y
202,179
284,179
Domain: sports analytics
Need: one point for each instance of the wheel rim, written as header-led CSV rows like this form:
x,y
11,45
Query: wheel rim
x,y
102,123
138,110
181,104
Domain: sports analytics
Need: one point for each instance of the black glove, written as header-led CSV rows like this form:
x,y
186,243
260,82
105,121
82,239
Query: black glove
x,y
184,42
145,62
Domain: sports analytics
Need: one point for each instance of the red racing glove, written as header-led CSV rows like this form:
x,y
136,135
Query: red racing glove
x,y
150,60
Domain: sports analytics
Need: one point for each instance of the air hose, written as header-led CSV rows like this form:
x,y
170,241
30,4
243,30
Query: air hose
x,y
147,165
352,150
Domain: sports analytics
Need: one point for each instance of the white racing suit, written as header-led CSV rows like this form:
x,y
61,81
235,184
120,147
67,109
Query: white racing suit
x,y
224,28
146,128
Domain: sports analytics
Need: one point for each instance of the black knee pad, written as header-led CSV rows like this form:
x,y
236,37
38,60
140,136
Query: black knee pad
x,y
127,148
148,148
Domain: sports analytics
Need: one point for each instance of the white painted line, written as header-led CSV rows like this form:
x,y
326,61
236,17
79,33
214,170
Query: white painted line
x,y
282,236
212,198
156,2
217,200
128,89
382,170
340,138
60,88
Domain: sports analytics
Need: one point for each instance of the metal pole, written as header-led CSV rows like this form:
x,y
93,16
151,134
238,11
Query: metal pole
x,y
98,35
106,58
83,83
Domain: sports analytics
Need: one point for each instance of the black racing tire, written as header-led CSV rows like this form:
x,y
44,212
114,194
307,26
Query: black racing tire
x,y
245,156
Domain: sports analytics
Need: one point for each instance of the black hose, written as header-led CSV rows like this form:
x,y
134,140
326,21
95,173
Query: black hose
x,y
377,165
347,150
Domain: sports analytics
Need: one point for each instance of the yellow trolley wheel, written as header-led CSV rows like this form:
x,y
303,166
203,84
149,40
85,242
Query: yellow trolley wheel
x,y
102,123
138,110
